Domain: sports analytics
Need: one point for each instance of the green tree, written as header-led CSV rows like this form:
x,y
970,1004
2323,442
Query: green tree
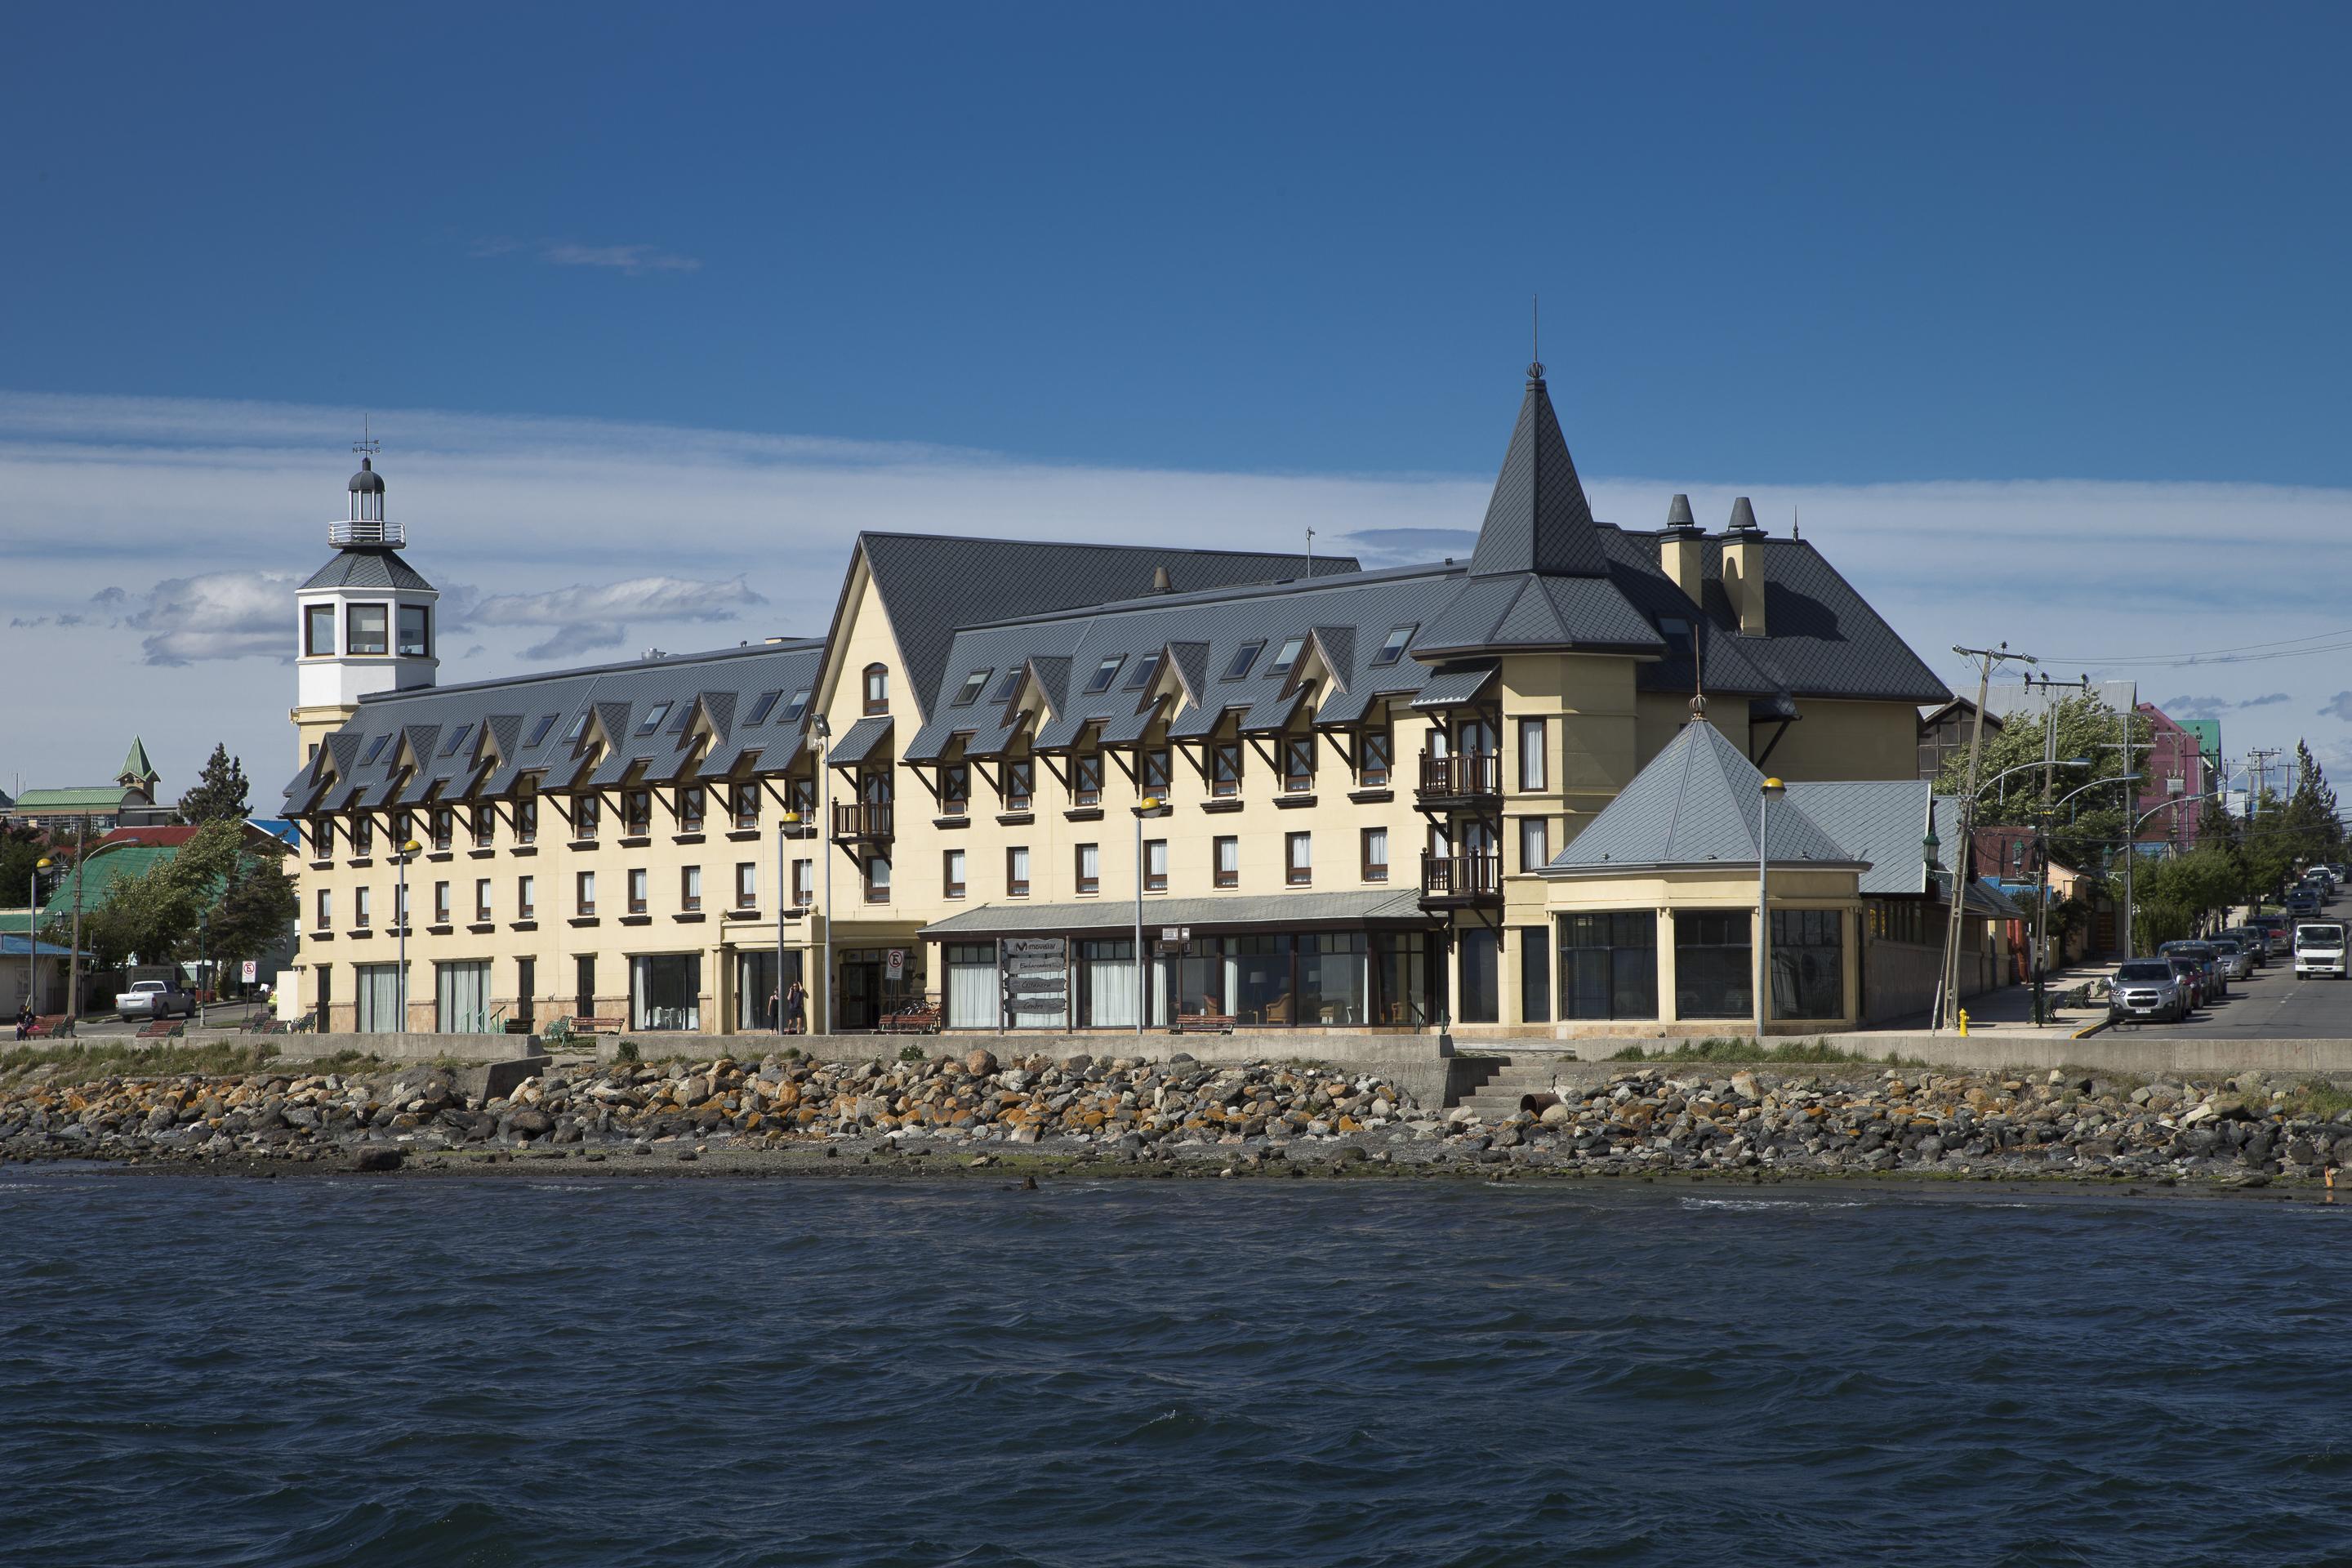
x,y
21,848
256,911
2091,825
219,794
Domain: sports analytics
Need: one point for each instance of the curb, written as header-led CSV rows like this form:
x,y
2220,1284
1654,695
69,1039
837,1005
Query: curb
x,y
2087,1034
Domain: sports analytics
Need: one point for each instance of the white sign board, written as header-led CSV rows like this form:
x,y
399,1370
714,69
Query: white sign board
x,y
894,967
252,969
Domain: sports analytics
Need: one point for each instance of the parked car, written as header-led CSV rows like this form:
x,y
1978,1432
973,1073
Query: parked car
x,y
2319,948
2302,902
2148,989
2274,928
2216,979
2237,961
156,999
2256,942
2192,976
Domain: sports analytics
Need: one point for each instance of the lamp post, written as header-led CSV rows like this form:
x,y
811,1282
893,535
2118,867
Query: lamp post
x,y
785,826
400,912
1149,805
73,959
1763,915
33,929
823,730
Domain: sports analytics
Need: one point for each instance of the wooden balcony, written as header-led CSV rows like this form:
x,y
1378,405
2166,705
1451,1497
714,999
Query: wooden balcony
x,y
1460,881
1466,778
862,822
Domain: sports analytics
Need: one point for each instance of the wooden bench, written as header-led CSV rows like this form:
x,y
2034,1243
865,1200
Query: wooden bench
x,y
51,1027
162,1029
924,1018
1204,1022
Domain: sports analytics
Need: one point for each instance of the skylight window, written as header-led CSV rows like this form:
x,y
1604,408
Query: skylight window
x,y
1244,657
578,727
685,712
1285,656
1399,638
457,741
375,749
538,731
1141,676
1007,687
1676,632
795,707
654,718
1105,673
974,685
763,707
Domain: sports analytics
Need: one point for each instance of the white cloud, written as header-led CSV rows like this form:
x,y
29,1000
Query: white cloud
x,y
2337,707
2214,707
632,260
217,615
577,640
637,599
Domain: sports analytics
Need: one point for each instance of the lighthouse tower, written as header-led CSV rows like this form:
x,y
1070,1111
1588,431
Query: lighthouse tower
x,y
363,622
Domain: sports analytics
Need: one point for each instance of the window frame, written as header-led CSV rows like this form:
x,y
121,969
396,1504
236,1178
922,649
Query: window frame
x,y
1016,871
1287,657
638,890
1245,660
584,894
1537,831
481,900
1299,859
1087,778
953,871
1373,870
526,898
955,789
874,682
878,888
1224,785
422,646
1225,861
314,615
1087,881
1155,865
1106,674
1381,740
689,889
1298,779
356,641
747,884
974,684
1535,761
1393,645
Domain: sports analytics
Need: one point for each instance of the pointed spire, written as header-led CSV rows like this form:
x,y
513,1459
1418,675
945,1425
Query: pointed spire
x,y
135,765
1539,518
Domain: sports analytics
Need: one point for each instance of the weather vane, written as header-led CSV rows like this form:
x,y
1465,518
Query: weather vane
x,y
366,446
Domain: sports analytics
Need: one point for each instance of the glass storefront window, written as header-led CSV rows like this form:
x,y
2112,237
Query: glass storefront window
x,y
1608,965
1335,982
974,1000
1808,958
665,991
1713,964
756,990
1401,967
1477,955
1256,979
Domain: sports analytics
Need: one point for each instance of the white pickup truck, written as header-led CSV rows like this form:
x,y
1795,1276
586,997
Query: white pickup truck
x,y
156,999
2319,948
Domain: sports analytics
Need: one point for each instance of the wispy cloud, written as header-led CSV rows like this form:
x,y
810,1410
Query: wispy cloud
x,y
598,616
217,615
2337,707
2215,707
633,260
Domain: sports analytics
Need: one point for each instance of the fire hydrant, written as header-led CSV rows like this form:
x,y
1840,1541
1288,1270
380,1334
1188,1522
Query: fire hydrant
x,y
1964,1023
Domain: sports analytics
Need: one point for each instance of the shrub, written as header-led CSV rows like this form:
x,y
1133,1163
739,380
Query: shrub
x,y
912,1054
626,1051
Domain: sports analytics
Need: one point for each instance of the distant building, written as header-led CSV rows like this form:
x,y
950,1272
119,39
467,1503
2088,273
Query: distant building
x,y
1944,733
2172,778
130,800
2209,740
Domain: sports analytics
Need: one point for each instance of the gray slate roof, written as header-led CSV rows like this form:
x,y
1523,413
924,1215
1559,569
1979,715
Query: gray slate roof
x,y
360,567
1015,918
1881,821
1539,519
1696,804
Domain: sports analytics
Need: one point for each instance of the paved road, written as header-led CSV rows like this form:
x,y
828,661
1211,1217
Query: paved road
x,y
2272,1005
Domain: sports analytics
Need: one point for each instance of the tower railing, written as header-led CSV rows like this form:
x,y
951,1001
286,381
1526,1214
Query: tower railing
x,y
367,530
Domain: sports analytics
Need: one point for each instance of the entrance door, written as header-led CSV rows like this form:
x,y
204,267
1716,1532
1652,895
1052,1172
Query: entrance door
x,y
584,969
326,995
861,993
461,996
526,987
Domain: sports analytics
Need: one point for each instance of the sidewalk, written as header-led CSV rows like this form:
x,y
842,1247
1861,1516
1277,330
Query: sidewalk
x,y
2009,1010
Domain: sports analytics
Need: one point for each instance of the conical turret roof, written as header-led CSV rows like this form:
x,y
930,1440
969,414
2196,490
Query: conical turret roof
x,y
135,765
1539,518
1696,804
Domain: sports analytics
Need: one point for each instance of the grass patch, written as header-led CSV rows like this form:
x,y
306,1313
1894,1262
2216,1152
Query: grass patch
x,y
1743,1049
2320,1100
128,1058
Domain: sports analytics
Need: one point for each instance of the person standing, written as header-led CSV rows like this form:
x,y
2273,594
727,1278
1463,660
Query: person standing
x,y
796,1010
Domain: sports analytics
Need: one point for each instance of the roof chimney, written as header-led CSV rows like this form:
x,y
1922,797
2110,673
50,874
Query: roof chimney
x,y
1161,582
1682,550
1743,568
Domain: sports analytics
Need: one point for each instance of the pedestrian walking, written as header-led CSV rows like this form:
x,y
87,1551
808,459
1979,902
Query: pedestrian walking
x,y
796,1010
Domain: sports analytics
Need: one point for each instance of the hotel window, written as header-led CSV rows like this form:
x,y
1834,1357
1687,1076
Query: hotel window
x,y
747,806
481,899
951,874
1535,843
326,909
660,712
637,890
1159,771
1105,673
1008,686
877,688
363,836
458,739
486,818
416,631
1287,657
587,817
363,628
747,884
804,883
584,894
362,908
1298,858
1016,872
1085,780
1376,854
1155,865
318,629
400,907
1226,858
1808,962
637,813
1713,960
802,793
1226,768
974,685
440,903
1608,965
1535,978
526,820
323,838
400,832
1298,764
1373,749
689,888
539,730
1394,647
1020,782
526,898
691,803
1141,676
1532,754
1089,868
1244,657
955,790
877,878
761,709
445,827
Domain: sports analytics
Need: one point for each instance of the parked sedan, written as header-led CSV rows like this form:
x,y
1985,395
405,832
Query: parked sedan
x,y
2237,961
2254,941
2149,990
2192,976
2216,979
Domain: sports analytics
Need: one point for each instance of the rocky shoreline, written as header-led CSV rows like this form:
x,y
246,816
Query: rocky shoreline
x,y
1266,1118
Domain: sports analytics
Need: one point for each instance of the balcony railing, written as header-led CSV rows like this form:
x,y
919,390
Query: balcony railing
x,y
1465,776
368,530
861,821
1460,878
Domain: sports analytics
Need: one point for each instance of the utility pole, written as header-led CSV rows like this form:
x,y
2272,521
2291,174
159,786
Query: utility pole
x,y
73,962
1947,995
2258,759
2041,838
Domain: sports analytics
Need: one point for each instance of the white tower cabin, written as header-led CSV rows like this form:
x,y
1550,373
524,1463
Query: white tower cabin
x,y
363,622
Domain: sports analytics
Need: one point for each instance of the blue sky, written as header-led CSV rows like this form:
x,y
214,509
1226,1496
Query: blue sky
x,y
1780,249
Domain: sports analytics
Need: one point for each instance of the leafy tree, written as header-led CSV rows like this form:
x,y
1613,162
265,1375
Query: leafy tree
x,y
219,794
256,911
2091,825
21,848
218,894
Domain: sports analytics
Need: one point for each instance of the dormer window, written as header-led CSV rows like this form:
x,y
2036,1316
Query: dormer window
x,y
974,685
877,688
1287,657
1105,673
1399,639
654,718
319,630
1244,657
679,719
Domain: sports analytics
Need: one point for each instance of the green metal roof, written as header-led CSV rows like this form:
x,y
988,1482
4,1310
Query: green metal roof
x,y
34,800
105,866
135,763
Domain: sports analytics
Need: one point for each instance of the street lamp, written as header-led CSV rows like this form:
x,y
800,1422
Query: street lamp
x,y
33,929
1149,805
408,850
823,732
785,826
1763,914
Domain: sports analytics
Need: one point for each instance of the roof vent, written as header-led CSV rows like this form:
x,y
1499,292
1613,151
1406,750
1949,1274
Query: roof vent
x,y
1679,513
1743,517
1161,582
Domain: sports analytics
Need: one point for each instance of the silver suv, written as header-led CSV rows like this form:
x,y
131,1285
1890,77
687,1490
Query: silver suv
x,y
2149,990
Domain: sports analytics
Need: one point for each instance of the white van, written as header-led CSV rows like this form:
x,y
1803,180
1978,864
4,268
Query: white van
x,y
2319,948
